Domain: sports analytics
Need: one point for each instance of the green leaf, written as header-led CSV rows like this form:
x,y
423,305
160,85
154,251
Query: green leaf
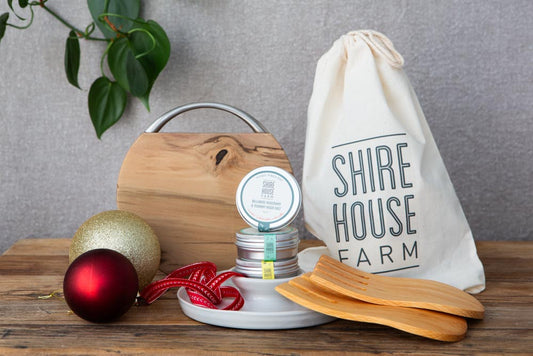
x,y
127,70
116,60
137,78
152,56
107,101
10,4
72,58
137,60
23,3
126,8
3,23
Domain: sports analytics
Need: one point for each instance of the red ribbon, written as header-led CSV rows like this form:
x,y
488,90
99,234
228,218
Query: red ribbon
x,y
203,286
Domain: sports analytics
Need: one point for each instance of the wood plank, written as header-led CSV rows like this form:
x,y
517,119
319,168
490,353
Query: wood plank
x,y
502,268
41,247
60,246
28,288
193,339
508,269
498,249
30,325
28,265
56,312
511,292
24,306
28,308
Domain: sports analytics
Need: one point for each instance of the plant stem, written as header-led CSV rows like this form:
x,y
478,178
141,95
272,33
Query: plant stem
x,y
103,57
64,22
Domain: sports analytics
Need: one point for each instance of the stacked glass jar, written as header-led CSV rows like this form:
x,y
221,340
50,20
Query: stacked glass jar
x,y
268,199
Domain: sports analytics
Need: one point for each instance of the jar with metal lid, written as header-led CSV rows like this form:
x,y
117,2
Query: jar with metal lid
x,y
255,245
268,198
277,269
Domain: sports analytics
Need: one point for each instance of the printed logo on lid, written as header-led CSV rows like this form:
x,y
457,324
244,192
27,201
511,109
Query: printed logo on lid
x,y
268,198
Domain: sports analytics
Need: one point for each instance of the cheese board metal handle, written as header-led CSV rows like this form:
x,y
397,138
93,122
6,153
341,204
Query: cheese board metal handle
x,y
247,118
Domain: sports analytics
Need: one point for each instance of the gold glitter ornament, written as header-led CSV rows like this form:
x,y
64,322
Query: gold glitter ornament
x,y
125,233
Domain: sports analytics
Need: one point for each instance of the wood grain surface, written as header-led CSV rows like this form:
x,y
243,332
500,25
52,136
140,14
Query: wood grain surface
x,y
184,185
33,326
394,291
426,323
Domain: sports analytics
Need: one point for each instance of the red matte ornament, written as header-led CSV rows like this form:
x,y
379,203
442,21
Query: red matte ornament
x,y
100,285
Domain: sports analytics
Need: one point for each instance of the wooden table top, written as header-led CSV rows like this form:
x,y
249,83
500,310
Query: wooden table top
x,y
35,267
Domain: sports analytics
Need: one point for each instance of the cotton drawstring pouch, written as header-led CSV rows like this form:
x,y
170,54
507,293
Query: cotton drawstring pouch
x,y
375,188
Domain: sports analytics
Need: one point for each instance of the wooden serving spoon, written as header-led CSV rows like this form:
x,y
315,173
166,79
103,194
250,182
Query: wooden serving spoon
x,y
426,323
405,292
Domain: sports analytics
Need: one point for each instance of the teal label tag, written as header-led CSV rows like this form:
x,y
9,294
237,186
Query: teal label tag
x,y
270,247
263,226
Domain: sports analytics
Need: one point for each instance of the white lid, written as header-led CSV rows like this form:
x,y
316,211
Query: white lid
x,y
268,198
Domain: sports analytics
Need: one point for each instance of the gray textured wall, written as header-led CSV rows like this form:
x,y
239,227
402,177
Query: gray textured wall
x,y
469,62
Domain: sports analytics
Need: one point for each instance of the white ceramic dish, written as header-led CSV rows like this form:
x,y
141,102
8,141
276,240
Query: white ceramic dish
x,y
264,308
308,258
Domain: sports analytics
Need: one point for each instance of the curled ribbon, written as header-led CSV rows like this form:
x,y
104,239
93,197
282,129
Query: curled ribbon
x,y
203,285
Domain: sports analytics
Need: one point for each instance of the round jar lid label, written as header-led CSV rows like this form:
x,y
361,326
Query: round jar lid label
x,y
268,198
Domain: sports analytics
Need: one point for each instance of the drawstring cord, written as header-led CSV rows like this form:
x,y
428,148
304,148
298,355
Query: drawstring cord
x,y
381,44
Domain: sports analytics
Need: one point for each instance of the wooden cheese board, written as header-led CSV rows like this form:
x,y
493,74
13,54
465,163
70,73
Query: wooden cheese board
x,y
184,185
